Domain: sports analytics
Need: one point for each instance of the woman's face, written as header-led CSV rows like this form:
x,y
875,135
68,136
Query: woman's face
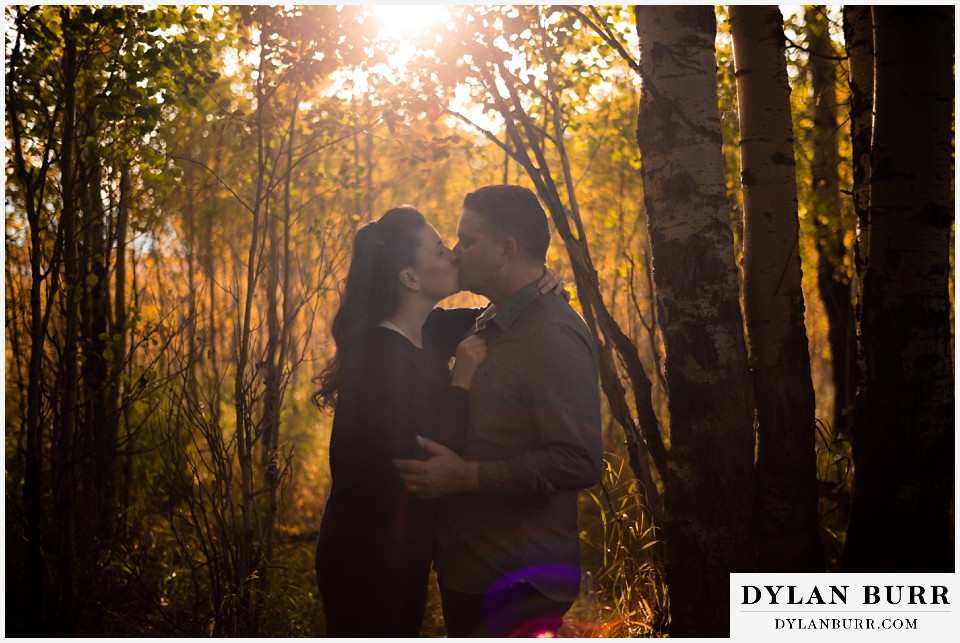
x,y
437,272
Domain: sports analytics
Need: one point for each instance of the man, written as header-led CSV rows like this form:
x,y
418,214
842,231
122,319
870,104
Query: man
x,y
508,547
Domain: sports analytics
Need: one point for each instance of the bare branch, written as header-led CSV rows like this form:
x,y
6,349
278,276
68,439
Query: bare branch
x,y
212,172
606,34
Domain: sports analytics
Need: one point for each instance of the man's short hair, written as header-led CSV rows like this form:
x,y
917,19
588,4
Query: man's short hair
x,y
513,211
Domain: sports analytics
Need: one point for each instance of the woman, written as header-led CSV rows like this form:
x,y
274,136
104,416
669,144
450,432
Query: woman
x,y
390,381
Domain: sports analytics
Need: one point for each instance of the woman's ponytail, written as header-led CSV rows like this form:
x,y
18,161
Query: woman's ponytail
x,y
381,249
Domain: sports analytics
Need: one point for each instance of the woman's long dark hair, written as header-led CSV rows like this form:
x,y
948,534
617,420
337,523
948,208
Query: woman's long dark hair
x,y
372,292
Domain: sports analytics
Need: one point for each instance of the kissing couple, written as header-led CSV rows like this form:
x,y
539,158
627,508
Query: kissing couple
x,y
475,469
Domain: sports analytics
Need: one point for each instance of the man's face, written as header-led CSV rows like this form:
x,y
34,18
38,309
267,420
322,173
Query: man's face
x,y
476,253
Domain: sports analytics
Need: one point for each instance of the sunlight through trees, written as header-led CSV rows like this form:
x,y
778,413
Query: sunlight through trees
x,y
182,189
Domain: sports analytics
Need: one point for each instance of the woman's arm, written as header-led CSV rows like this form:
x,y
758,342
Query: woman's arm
x,y
448,326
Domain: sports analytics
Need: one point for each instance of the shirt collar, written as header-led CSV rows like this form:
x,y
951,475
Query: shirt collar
x,y
505,317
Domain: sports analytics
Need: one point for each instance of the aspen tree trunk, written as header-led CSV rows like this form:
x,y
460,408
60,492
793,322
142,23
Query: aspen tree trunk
x,y
64,474
32,181
272,397
710,476
118,337
191,241
787,530
858,40
89,464
836,288
277,283
210,347
33,472
95,339
248,568
904,430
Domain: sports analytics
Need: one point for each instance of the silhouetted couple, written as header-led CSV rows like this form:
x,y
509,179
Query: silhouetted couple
x,y
476,470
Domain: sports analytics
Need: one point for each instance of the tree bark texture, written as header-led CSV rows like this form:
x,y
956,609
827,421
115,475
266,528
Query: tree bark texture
x,y
787,529
836,289
118,336
95,339
904,432
709,483
66,436
858,41
32,181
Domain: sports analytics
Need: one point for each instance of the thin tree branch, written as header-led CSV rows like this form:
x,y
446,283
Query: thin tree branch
x,y
212,173
605,34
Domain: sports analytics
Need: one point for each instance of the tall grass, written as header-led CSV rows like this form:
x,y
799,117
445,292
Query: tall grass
x,y
835,489
623,592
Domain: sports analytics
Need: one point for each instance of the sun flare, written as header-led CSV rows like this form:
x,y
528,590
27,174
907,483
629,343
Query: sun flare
x,y
406,19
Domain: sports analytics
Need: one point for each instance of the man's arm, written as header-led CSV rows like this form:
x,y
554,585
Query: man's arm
x,y
446,473
443,474
562,394
561,391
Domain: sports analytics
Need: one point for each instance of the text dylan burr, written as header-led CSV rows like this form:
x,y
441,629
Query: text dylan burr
x,y
837,595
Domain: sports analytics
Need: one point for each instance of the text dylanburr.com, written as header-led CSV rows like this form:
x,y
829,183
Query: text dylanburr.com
x,y
848,607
